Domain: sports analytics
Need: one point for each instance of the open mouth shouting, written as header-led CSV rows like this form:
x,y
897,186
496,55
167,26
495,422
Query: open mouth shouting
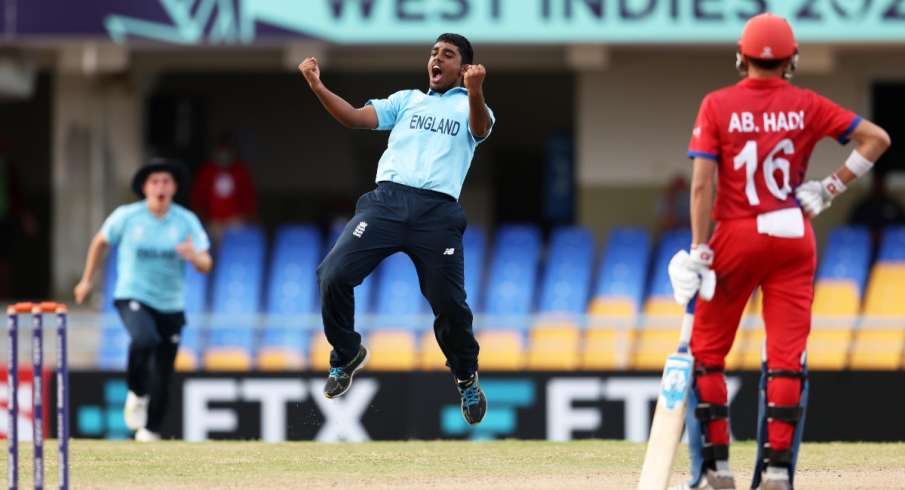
x,y
436,74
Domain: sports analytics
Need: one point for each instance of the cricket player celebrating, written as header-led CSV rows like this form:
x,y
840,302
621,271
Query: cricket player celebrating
x,y
414,209
155,238
755,138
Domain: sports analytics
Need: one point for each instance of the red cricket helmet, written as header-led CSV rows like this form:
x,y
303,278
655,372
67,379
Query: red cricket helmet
x,y
767,37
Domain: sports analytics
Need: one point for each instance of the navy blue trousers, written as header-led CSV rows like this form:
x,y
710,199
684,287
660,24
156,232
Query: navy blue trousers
x,y
152,354
428,227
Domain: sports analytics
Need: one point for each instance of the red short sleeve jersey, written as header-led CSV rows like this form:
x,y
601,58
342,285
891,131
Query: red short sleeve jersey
x,y
761,133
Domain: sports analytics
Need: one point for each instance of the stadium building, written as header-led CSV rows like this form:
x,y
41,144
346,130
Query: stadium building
x,y
567,246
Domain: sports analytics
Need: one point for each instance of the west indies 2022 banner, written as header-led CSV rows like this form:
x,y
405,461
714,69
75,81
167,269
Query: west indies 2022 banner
x,y
406,21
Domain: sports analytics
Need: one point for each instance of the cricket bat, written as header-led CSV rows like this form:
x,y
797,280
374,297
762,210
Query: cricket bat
x,y
669,417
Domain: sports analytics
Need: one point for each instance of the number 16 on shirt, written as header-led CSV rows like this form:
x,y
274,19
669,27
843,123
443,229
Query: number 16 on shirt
x,y
669,417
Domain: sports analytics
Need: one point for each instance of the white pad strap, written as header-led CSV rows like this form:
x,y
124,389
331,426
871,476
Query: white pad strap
x,y
857,164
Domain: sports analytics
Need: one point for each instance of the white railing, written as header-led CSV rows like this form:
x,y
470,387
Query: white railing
x,y
87,327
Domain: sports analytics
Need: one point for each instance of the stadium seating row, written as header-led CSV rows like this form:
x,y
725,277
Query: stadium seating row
x,y
626,318
604,346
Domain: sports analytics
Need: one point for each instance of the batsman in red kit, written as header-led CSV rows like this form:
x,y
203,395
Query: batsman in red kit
x,y
755,139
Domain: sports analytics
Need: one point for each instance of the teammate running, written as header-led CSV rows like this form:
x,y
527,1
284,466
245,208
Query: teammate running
x,y
154,237
759,135
414,209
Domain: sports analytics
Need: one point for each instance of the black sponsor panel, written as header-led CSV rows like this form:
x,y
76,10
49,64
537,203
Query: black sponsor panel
x,y
855,406
424,405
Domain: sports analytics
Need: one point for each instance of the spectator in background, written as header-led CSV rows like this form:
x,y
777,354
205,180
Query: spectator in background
x,y
877,209
16,220
223,194
673,209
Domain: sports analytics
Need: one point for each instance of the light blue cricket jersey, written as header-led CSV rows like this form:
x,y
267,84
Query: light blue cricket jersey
x,y
431,145
149,269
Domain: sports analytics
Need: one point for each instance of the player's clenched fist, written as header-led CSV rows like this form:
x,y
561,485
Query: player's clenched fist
x,y
310,70
474,77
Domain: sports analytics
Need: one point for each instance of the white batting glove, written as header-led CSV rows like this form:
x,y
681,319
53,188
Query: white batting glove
x,y
685,280
815,197
691,273
702,261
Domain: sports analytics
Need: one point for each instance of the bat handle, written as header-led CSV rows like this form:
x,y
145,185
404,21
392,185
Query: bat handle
x,y
687,323
689,307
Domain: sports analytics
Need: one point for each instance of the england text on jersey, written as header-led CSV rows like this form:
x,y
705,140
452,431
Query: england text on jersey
x,y
435,124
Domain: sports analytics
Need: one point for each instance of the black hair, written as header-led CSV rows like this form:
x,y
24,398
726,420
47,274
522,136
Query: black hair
x,y
766,64
460,42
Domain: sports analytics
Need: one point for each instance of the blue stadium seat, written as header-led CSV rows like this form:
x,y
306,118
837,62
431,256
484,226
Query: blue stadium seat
x,y
672,242
475,245
292,298
513,276
190,347
113,352
229,338
567,279
110,267
239,274
364,294
892,247
622,274
238,282
283,348
335,230
880,339
840,284
846,256
229,349
657,334
195,291
292,283
292,338
618,300
399,299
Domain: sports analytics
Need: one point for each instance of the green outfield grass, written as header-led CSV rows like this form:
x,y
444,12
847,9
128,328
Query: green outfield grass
x,y
435,465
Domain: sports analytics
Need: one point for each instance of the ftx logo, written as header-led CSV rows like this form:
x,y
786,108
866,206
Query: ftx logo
x,y
105,420
501,420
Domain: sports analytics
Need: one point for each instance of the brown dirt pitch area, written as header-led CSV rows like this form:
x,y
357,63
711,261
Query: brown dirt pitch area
x,y
434,465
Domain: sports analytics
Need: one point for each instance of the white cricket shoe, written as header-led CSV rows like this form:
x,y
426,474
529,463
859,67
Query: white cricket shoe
x,y
776,478
135,412
713,480
776,485
144,435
